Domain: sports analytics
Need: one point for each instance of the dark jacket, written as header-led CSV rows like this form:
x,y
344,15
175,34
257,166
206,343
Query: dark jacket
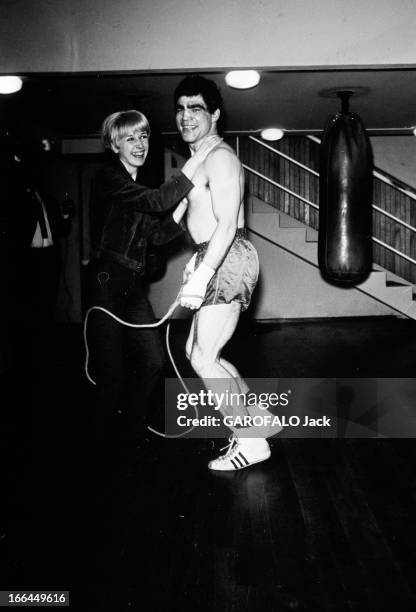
x,y
19,208
126,217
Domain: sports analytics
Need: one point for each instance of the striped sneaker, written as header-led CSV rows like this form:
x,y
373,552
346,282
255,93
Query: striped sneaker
x,y
241,453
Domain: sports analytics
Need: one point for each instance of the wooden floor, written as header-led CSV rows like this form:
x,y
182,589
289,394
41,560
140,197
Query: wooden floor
x,y
325,525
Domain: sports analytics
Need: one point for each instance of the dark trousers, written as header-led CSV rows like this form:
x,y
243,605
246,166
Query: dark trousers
x,y
126,363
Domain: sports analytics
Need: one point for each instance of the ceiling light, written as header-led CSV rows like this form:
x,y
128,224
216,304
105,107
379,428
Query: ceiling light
x,y
10,84
272,134
242,79
414,131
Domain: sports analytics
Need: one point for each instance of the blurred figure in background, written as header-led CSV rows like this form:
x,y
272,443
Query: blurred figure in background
x,y
31,225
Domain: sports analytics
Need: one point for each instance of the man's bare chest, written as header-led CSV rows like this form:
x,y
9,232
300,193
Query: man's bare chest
x,y
200,194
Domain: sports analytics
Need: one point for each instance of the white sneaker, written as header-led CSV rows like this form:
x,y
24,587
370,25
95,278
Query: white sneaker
x,y
241,453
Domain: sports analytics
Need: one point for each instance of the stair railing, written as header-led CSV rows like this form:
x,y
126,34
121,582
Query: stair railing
x,y
376,173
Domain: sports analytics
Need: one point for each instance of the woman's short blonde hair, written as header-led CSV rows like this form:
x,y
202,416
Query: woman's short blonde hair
x,y
117,125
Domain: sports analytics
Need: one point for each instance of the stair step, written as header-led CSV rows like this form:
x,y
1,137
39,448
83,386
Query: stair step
x,y
390,283
397,297
311,235
269,224
259,207
376,281
391,277
285,221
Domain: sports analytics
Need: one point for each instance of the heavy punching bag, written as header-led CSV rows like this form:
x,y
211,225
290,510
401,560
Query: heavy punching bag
x,y
345,185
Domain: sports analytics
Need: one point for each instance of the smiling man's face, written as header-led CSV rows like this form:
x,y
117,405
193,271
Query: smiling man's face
x,y
193,119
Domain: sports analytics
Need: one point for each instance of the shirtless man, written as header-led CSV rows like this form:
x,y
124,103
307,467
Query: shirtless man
x,y
221,276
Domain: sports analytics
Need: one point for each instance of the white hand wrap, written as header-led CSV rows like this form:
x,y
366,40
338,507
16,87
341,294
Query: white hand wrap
x,y
193,291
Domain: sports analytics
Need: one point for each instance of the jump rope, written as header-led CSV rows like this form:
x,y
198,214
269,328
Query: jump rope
x,y
166,317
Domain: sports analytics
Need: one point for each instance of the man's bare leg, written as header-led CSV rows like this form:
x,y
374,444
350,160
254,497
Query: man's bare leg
x,y
232,370
213,326
228,367
211,329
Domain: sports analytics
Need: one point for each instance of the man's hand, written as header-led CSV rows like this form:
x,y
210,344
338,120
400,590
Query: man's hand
x,y
193,292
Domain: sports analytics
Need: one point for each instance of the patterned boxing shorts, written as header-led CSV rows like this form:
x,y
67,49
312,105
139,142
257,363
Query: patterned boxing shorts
x,y
236,278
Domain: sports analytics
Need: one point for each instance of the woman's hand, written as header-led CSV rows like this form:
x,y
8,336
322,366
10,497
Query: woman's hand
x,y
193,163
180,210
206,147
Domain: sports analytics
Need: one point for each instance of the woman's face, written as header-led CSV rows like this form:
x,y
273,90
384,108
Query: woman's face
x,y
132,150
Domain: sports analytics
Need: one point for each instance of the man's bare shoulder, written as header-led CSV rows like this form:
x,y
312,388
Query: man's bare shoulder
x,y
222,155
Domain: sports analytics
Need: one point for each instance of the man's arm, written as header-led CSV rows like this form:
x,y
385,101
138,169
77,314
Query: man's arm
x,y
223,171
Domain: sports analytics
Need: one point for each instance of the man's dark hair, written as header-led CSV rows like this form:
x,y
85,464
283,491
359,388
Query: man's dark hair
x,y
195,85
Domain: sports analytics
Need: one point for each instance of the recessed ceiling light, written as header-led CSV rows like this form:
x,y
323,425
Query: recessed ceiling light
x,y
242,79
10,84
272,134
